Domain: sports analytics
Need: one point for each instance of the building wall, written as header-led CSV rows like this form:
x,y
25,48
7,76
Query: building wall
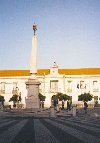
x,y
9,87
72,89
69,84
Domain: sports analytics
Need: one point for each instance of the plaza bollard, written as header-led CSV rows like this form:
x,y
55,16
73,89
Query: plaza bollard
x,y
52,112
74,110
57,108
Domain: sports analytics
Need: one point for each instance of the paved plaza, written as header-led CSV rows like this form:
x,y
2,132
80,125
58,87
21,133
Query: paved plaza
x,y
79,129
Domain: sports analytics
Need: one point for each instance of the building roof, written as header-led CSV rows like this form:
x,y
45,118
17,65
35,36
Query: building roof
x,y
4,73
81,71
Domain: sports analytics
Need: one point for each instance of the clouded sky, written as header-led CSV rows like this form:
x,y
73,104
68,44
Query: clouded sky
x,y
68,33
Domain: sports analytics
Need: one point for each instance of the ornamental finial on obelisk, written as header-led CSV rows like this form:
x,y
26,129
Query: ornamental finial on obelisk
x,y
34,28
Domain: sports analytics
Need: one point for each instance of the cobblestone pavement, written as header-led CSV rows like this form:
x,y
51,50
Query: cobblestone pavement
x,y
50,130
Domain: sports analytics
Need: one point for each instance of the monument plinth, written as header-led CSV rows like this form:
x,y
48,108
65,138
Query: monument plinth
x,y
32,100
32,85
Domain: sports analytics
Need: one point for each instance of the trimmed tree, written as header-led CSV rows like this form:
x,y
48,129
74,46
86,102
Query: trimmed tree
x,y
42,99
15,98
85,97
2,99
59,96
62,96
66,97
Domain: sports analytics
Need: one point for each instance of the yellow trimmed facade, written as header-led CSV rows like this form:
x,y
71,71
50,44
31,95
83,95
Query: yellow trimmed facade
x,y
81,71
73,82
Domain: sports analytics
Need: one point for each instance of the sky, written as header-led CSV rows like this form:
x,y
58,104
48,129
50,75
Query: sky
x,y
68,33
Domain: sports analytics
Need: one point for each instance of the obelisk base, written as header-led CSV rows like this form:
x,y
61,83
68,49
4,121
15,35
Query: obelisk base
x,y
32,100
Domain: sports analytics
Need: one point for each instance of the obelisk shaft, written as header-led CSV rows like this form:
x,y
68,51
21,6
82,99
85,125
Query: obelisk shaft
x,y
33,63
32,85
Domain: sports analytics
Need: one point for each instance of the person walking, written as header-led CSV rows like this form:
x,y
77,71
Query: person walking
x,y
68,105
85,107
55,103
62,104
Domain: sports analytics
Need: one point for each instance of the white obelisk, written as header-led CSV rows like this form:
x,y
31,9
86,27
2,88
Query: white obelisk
x,y
33,62
32,85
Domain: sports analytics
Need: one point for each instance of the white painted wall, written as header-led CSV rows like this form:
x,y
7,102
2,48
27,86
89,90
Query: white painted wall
x,y
45,85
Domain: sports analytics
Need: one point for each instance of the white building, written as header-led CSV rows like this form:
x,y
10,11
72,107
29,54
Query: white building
x,y
73,82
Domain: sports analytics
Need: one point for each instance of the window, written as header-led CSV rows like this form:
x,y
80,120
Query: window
x,y
54,86
69,86
82,86
95,86
95,98
2,87
40,87
15,88
14,85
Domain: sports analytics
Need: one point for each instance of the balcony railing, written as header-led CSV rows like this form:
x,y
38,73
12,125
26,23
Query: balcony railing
x,y
69,90
95,90
53,90
2,91
14,91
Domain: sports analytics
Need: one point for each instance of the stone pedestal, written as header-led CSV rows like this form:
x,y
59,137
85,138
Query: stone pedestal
x,y
32,100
